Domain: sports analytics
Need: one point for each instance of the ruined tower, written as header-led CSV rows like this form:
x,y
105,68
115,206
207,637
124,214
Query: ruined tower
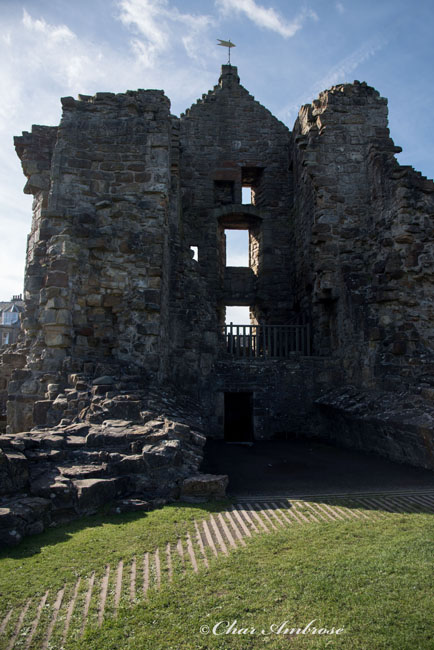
x,y
339,282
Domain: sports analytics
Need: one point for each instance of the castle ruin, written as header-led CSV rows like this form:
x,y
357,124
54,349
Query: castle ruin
x,y
339,282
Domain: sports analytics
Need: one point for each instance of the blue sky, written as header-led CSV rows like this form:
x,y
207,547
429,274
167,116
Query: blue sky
x,y
287,52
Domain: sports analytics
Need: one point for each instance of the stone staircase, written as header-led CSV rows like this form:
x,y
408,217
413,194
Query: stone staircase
x,y
50,619
122,446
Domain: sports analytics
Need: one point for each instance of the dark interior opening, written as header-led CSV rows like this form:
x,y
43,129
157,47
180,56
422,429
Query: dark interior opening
x,y
223,192
238,417
251,176
250,183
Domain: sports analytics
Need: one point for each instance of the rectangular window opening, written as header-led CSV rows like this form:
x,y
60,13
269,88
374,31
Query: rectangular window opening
x,y
237,247
250,182
247,194
238,315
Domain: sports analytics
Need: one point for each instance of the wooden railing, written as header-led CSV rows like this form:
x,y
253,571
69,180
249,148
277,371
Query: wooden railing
x,y
267,341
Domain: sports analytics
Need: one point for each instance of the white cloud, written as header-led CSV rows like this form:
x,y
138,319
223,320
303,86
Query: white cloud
x,y
55,51
42,61
55,34
340,8
268,18
162,25
341,71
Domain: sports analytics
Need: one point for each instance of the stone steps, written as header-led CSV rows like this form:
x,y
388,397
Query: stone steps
x,y
47,621
77,468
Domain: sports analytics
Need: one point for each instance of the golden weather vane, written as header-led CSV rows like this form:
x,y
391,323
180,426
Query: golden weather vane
x,y
227,44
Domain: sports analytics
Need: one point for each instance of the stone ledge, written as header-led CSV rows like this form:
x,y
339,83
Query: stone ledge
x,y
399,426
204,487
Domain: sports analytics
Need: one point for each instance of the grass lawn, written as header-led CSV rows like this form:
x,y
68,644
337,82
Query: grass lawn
x,y
372,578
59,555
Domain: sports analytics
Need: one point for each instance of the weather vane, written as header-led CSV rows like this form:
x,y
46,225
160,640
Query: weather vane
x,y
227,44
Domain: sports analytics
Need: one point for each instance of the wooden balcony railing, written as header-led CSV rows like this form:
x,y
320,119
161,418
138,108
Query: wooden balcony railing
x,y
267,341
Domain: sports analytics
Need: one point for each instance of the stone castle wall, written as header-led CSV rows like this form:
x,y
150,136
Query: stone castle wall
x,y
339,232
363,240
98,262
229,140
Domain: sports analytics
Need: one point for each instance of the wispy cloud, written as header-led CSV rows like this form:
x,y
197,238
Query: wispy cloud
x,y
42,61
339,73
56,52
55,33
160,25
267,18
340,7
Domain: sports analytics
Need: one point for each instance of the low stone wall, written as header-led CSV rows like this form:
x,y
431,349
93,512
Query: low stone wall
x,y
398,426
134,449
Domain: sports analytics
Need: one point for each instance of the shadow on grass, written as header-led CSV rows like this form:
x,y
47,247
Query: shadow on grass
x,y
409,504
64,531
395,504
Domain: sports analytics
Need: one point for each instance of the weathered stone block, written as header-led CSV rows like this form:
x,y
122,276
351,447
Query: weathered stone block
x,y
163,454
22,516
56,339
18,469
6,484
56,279
93,493
204,487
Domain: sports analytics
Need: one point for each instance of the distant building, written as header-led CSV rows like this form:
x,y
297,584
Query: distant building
x,y
10,320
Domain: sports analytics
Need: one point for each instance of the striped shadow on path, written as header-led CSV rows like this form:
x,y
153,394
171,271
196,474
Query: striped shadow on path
x,y
48,621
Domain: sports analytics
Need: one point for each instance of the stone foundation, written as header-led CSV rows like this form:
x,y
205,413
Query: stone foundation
x,y
51,475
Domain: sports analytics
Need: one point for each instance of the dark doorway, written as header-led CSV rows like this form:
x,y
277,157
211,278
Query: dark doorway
x,y
238,417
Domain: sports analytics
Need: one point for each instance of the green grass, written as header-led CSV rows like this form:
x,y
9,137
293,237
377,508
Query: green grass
x,y
371,577
59,555
374,579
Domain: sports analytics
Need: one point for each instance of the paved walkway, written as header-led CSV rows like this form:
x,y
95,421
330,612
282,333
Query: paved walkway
x,y
303,466
99,595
